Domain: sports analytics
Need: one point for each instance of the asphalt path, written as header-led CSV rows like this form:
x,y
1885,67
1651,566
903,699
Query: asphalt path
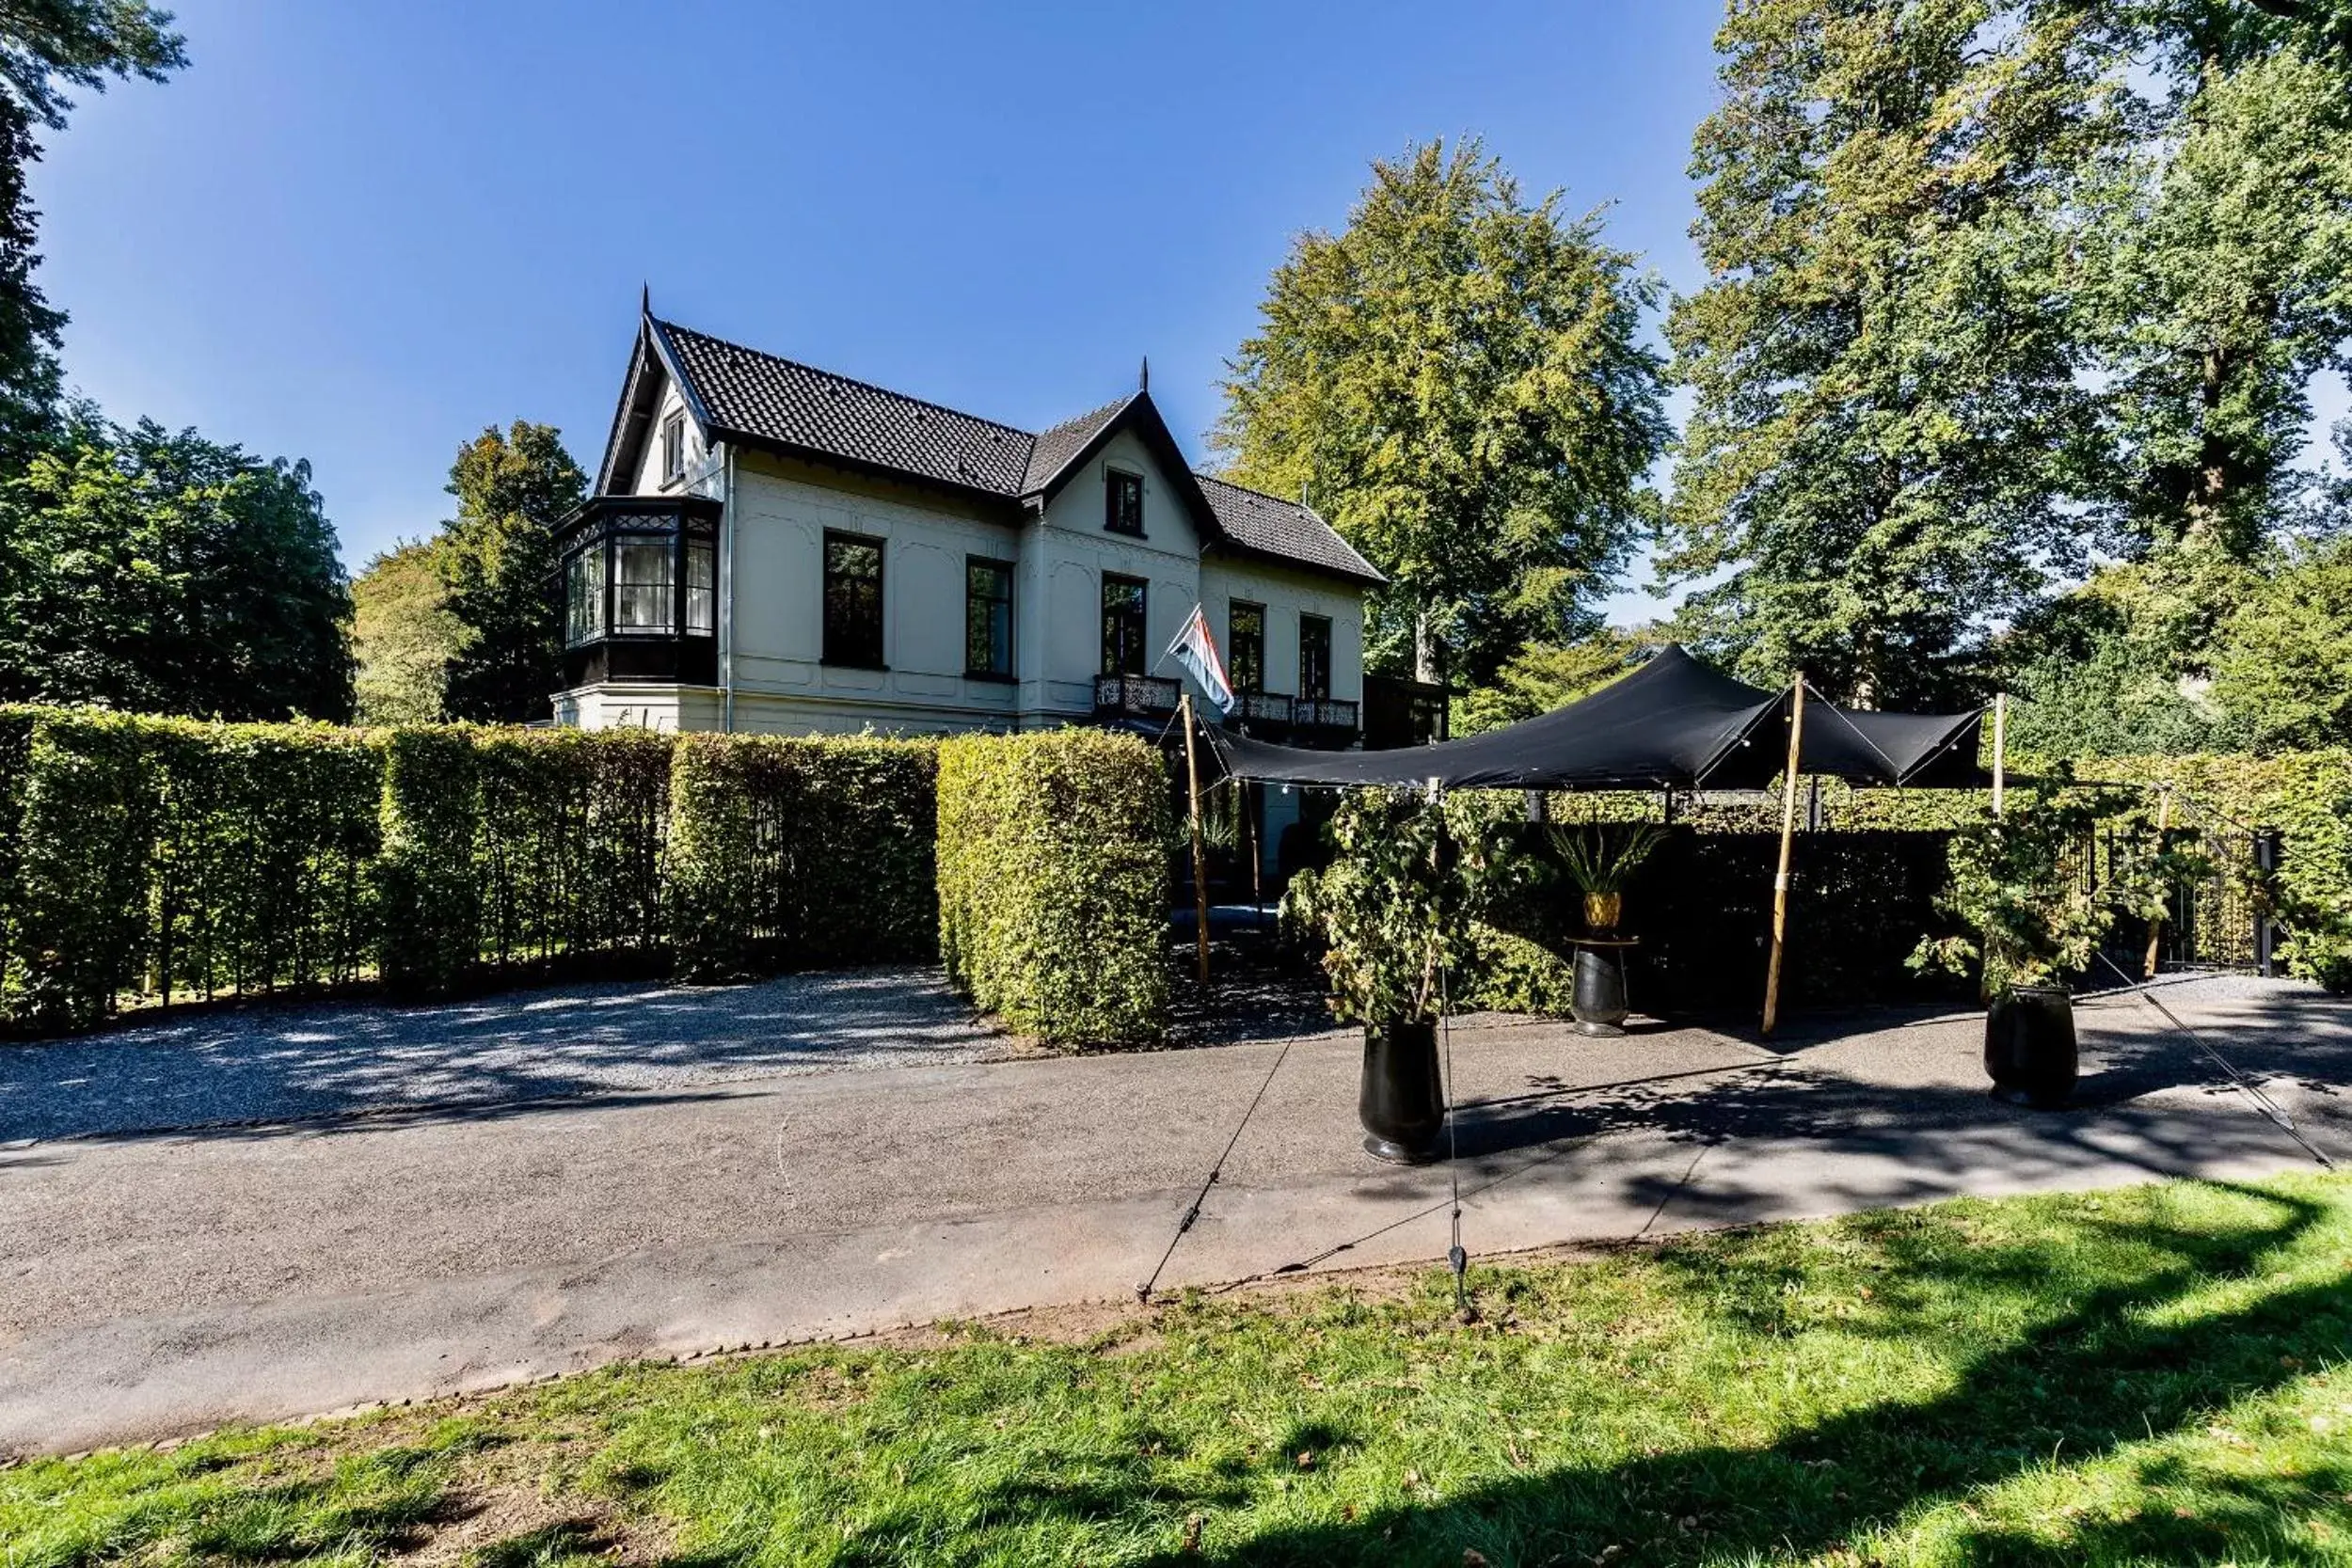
x,y
155,1283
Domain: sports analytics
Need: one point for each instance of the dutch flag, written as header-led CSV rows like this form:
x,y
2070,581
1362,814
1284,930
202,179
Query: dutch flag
x,y
1196,650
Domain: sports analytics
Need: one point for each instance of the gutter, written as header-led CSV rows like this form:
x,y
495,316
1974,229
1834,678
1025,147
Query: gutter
x,y
726,597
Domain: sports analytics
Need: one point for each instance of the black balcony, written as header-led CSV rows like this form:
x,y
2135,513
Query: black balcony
x,y
639,591
1135,696
1322,716
1256,709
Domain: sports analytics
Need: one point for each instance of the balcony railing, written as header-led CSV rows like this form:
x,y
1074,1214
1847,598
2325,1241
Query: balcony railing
x,y
1323,713
1262,708
1135,696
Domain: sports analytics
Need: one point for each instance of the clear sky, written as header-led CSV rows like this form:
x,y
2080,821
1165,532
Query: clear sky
x,y
359,230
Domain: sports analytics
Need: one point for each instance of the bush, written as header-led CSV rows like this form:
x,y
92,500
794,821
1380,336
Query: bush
x,y
1054,882
84,847
570,837
801,853
171,858
429,901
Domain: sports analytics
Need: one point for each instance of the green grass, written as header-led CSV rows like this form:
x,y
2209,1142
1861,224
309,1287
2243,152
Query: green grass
x,y
2149,1376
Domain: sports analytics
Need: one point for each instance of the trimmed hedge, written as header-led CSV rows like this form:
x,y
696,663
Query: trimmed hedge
x,y
178,860
1054,882
169,859
801,853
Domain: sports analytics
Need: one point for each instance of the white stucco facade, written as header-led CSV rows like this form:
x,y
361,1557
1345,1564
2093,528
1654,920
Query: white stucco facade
x,y
772,673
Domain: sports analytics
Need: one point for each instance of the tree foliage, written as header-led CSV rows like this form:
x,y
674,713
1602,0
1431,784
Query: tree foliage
x,y
1884,358
1457,381
404,637
166,573
47,47
496,560
1544,675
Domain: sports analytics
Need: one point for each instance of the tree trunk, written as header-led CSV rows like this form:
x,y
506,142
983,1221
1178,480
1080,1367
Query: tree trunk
x,y
1428,652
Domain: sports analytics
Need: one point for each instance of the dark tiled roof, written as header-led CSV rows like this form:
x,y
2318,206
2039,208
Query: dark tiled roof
x,y
1272,526
761,398
1066,440
745,392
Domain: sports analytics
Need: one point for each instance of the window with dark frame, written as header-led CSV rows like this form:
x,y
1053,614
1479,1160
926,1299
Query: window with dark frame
x,y
1245,637
1123,502
1123,625
853,600
701,588
673,447
584,594
644,586
987,616
1314,657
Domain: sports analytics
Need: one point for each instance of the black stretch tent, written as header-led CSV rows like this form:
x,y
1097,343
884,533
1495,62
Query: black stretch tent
x,y
1673,723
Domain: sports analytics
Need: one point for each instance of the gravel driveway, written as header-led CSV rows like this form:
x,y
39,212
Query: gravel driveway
x,y
279,1063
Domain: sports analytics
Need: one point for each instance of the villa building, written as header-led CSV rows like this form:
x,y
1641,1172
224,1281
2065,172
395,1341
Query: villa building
x,y
775,547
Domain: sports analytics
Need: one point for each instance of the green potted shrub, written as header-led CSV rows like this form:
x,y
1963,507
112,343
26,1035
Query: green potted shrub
x,y
1600,858
1392,914
2022,885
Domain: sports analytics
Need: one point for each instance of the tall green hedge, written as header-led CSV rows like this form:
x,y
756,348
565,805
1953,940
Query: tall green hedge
x,y
178,860
570,836
1054,882
801,854
146,859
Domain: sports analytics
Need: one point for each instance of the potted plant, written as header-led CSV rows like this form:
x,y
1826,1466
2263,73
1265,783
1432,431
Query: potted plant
x,y
2022,885
1600,858
1392,913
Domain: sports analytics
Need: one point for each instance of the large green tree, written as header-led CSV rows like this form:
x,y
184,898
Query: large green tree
x,y
145,570
1884,359
1457,381
2223,268
404,637
497,562
48,48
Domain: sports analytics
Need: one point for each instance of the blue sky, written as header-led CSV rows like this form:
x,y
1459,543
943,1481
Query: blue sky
x,y
359,231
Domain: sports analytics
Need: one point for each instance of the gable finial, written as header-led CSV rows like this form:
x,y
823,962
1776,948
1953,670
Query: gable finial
x,y
645,299
1143,379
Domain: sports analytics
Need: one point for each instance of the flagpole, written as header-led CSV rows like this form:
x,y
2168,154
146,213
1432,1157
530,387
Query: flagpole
x,y
1200,855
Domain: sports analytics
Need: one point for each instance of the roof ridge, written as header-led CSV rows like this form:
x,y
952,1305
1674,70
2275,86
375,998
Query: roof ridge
x,y
1095,413
1253,490
836,376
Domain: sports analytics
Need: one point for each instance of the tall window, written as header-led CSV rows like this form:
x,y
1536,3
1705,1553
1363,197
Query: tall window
x,y
853,600
644,585
1123,502
673,447
987,616
701,588
1123,625
584,594
1314,657
1245,637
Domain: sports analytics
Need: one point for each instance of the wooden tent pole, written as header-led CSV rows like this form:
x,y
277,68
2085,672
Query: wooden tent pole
x,y
1199,854
1787,841
2000,751
2155,926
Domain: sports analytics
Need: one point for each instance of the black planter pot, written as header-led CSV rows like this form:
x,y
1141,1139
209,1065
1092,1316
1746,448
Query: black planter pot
x,y
1400,1102
2030,1046
1598,1003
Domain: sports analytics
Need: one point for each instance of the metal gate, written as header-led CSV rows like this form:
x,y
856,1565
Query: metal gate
x,y
2216,919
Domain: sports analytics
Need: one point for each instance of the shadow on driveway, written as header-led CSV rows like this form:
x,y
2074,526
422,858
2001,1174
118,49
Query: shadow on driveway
x,y
614,1038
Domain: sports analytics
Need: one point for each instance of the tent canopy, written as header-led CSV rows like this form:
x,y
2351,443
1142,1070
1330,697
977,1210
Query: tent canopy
x,y
1673,723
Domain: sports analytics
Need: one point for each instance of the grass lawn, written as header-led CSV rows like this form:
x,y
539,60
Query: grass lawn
x,y
2151,1376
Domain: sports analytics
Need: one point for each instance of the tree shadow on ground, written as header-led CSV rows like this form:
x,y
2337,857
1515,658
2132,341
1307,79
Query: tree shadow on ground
x,y
288,1062
2129,1364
